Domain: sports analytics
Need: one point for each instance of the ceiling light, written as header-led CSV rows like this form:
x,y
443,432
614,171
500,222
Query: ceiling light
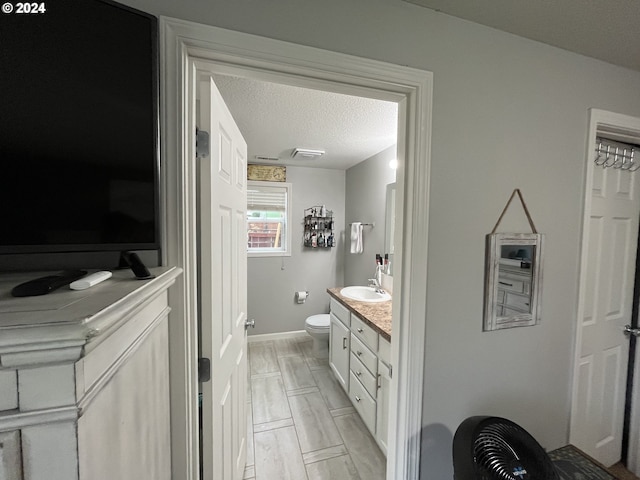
x,y
306,153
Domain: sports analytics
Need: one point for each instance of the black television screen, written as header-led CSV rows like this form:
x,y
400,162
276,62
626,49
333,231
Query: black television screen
x,y
78,129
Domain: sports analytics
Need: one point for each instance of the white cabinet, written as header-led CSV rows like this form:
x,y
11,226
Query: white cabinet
x,y
514,291
339,340
360,359
84,381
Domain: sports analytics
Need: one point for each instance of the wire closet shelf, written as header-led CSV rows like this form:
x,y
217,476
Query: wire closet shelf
x,y
614,154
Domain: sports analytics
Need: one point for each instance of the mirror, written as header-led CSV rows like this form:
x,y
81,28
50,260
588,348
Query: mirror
x,y
390,220
513,280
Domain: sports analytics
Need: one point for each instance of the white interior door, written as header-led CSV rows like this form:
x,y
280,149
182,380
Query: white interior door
x,y
606,303
223,286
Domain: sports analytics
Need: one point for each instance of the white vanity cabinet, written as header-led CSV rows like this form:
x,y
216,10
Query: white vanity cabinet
x,y
360,359
339,343
84,381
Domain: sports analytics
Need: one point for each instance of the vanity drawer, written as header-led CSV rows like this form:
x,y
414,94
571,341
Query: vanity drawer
x,y
365,333
363,403
341,312
384,350
362,353
363,374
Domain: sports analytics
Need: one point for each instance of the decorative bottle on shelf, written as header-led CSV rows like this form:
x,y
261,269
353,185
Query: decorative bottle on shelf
x,y
323,211
314,240
321,240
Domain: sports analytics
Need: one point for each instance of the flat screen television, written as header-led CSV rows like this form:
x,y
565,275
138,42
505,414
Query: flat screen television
x,y
79,144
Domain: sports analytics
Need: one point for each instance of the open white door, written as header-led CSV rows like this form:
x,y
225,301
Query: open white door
x,y
608,268
223,285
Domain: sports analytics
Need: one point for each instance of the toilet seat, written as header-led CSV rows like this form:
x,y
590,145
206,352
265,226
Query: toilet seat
x,y
318,322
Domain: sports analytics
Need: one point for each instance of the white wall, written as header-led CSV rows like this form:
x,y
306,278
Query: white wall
x,y
273,281
507,113
365,202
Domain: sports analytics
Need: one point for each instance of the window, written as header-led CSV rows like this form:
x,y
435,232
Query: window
x,y
268,219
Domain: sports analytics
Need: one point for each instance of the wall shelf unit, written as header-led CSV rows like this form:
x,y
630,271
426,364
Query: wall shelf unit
x,y
318,227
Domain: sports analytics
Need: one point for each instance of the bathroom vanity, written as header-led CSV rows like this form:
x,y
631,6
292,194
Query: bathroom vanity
x,y
360,358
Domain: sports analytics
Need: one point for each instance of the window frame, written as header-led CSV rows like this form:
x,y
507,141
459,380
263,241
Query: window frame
x,y
286,238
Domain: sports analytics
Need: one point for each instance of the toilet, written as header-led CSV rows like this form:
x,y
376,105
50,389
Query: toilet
x,y
318,327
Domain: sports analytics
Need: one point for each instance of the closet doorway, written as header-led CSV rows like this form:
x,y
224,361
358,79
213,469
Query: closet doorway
x,y
604,352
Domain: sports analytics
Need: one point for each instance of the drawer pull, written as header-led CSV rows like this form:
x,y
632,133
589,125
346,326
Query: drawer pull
x,y
359,373
344,343
359,353
357,398
507,284
360,330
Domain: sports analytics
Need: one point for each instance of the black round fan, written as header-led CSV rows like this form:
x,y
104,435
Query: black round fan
x,y
494,448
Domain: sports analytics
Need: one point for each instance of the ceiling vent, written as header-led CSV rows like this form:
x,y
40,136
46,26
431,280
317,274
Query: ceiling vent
x,y
306,154
267,159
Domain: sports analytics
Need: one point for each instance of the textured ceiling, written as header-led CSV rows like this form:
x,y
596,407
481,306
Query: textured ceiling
x,y
274,119
608,30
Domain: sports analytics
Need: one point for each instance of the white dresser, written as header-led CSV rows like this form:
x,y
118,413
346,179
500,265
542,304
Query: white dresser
x,y
84,380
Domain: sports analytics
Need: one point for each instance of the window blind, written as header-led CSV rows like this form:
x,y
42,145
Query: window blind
x,y
267,198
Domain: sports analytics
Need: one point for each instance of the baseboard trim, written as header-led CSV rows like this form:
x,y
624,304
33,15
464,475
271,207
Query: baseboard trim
x,y
277,336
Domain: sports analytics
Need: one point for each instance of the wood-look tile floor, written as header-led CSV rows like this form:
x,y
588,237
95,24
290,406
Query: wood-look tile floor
x,y
301,424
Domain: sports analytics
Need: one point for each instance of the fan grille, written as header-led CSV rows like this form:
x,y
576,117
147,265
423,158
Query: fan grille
x,y
493,452
504,451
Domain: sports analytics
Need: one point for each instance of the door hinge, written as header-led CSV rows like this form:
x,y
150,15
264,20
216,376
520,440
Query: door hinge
x,y
202,143
390,371
204,370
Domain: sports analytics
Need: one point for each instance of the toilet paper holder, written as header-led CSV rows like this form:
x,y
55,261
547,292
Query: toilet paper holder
x,y
302,296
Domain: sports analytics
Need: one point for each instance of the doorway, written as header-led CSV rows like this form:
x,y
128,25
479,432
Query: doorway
x,y
608,258
235,53
300,419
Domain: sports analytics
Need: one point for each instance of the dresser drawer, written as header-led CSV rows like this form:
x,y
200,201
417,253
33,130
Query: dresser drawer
x,y
511,285
341,312
364,375
363,403
366,356
365,333
522,303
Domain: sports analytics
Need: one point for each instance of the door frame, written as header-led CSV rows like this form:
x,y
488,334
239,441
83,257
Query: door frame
x,y
630,125
276,60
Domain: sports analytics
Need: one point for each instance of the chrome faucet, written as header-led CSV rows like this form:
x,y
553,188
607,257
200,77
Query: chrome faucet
x,y
376,282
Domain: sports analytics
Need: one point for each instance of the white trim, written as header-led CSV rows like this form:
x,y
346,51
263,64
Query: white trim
x,y
22,420
629,125
277,336
271,60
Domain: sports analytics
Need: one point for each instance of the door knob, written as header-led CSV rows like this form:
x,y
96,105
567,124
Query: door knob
x,y
631,331
249,323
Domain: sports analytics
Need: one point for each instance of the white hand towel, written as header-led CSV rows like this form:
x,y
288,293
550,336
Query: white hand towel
x,y
356,237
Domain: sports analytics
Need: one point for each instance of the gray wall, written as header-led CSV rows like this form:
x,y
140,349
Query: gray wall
x,y
507,112
273,281
365,202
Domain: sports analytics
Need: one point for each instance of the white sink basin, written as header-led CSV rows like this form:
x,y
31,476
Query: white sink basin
x,y
364,294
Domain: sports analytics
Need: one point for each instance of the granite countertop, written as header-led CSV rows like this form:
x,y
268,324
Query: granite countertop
x,y
376,315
